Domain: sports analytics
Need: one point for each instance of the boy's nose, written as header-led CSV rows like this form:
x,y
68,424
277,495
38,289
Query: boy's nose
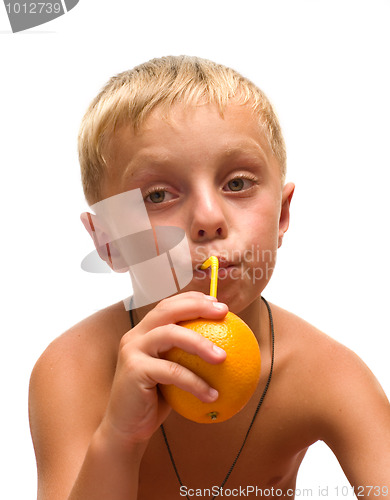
x,y
208,221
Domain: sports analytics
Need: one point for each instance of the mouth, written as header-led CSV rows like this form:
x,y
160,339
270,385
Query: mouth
x,y
225,266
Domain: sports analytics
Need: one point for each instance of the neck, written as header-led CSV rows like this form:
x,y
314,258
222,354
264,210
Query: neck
x,y
255,316
141,312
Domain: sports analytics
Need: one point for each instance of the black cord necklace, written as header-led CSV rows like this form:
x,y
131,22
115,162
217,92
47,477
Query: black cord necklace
x,y
253,418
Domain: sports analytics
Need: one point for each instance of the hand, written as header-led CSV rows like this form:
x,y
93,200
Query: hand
x,y
136,408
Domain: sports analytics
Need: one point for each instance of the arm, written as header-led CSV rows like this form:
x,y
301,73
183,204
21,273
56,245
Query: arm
x,y
356,424
90,428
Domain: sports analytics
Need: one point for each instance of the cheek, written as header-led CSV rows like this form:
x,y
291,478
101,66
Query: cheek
x,y
261,234
263,223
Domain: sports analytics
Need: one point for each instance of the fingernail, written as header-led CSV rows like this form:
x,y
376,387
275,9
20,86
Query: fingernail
x,y
210,297
219,306
213,394
218,350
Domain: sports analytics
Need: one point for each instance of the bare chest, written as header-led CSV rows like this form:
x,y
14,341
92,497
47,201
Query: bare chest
x,y
208,456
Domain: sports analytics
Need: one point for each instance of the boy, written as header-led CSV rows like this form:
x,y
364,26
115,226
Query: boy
x,y
204,147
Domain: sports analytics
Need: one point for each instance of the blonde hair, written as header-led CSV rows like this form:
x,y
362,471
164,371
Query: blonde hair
x,y
131,96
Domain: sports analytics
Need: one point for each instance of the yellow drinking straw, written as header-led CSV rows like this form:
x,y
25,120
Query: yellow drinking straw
x,y
213,262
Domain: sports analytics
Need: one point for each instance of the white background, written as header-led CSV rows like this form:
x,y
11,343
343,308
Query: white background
x,y
324,65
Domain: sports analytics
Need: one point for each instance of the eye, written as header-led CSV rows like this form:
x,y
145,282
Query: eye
x,y
239,184
157,195
236,184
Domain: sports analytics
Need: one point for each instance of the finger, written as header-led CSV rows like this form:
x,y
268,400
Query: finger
x,y
166,372
164,338
183,307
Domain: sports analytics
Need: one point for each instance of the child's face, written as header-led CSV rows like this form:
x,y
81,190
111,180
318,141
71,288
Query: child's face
x,y
216,178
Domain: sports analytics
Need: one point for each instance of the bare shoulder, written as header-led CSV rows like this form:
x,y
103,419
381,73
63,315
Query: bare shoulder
x,y
330,389
309,351
96,336
326,380
88,347
69,390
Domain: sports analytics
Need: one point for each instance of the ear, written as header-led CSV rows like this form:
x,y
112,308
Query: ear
x,y
96,231
284,220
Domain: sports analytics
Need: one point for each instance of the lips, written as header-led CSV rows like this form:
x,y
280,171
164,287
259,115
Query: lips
x,y
223,264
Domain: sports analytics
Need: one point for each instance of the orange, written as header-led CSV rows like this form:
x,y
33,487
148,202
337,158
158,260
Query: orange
x,y
235,379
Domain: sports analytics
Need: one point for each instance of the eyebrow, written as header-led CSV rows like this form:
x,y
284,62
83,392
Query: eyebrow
x,y
140,165
246,150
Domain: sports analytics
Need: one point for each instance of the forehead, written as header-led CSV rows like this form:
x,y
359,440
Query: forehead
x,y
190,136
